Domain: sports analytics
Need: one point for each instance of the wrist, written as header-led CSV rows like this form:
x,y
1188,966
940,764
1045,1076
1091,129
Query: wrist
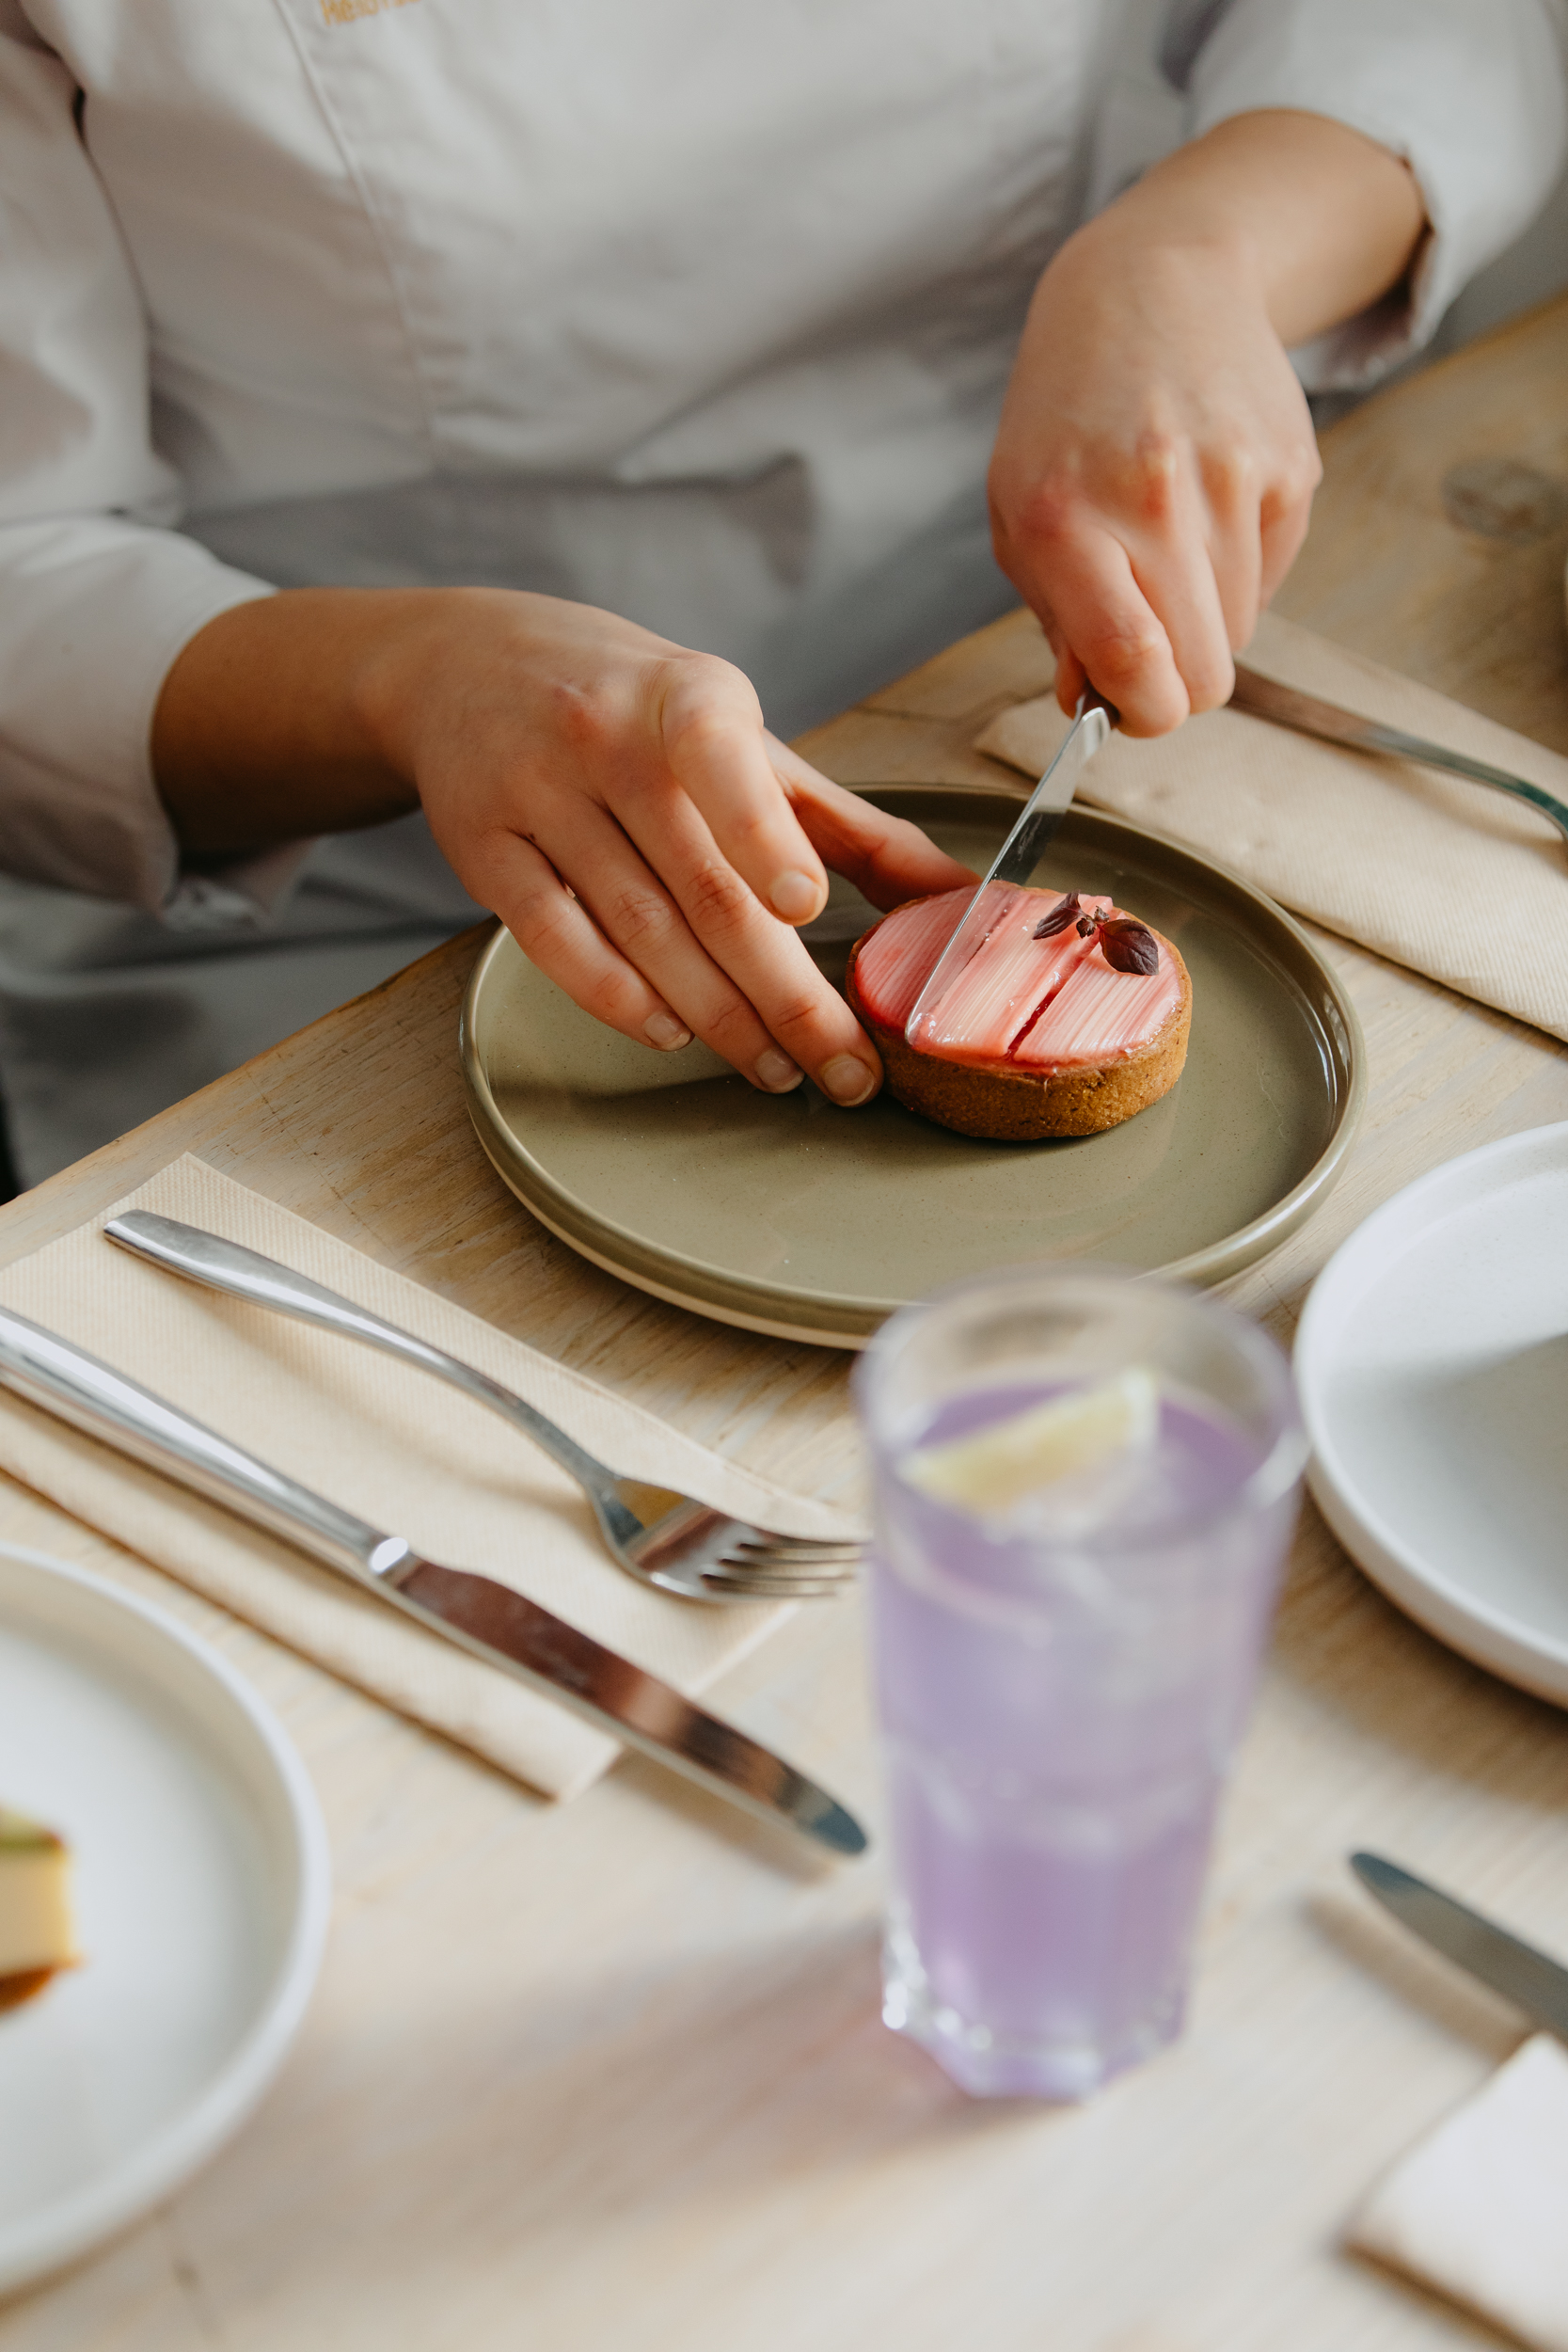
x,y
1143,245
410,645
1309,219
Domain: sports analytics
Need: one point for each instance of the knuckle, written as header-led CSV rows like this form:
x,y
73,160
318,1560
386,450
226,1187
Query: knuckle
x,y
639,917
539,916
1294,481
1210,688
1046,515
1152,477
732,1028
703,701
583,718
613,999
1230,477
792,1015
717,900
1115,655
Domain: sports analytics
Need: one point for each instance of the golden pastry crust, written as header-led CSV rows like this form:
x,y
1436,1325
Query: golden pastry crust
x,y
1006,1105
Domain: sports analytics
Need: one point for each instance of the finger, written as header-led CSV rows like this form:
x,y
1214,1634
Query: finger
x,y
760,959
1176,576
1286,506
1283,519
557,932
888,859
643,927
1070,679
1173,566
711,731
1234,541
1084,578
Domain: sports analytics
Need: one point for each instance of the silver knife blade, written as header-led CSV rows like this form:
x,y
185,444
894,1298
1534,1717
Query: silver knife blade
x,y
1019,855
1532,1980
496,1622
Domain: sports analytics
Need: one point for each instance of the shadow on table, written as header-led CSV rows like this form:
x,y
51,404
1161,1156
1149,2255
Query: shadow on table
x,y
1416,1974
1361,1659
656,2118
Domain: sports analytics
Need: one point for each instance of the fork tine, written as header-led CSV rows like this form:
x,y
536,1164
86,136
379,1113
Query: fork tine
x,y
749,1587
791,1563
785,1572
759,1545
812,1569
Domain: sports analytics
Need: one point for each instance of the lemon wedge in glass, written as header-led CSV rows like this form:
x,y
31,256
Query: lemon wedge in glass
x,y
998,1465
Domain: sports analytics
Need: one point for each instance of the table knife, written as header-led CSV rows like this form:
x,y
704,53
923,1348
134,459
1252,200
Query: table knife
x,y
1531,1980
497,1624
1019,853
1265,698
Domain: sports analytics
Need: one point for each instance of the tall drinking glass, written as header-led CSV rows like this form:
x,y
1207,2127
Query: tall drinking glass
x,y
1084,1488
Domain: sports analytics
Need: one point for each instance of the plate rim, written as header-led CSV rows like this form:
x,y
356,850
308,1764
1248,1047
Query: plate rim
x,y
82,2219
1489,1636
837,1319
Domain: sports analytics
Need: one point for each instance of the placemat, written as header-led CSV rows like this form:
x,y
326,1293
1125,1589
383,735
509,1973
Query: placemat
x,y
1452,879
389,1442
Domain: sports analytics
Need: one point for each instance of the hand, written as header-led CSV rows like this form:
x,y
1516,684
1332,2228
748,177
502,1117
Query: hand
x,y
1152,479
1155,465
617,802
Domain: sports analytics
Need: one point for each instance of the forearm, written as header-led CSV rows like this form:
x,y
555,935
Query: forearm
x,y
270,724
1317,219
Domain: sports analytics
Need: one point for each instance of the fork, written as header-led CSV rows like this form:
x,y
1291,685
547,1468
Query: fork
x,y
659,1536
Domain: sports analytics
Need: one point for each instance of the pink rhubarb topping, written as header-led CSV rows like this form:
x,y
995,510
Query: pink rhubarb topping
x,y
1030,1003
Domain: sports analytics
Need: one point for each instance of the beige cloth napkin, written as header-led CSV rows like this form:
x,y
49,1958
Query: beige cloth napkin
x,y
398,1447
1479,2209
1450,877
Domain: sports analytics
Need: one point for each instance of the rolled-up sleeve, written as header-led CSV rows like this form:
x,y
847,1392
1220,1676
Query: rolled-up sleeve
x,y
97,592
1470,93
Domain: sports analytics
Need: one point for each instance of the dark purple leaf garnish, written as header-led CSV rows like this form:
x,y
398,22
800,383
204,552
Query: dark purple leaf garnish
x,y
1129,946
1066,911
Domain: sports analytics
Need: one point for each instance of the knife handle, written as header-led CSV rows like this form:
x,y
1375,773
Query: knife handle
x,y
79,1387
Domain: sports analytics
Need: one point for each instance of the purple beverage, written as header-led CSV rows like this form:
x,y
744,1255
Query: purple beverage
x,y
1064,1664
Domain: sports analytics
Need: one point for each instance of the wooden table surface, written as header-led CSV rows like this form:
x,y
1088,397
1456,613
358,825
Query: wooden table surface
x,y
613,2071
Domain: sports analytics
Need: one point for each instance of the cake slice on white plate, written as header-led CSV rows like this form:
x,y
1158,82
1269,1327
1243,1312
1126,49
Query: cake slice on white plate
x,y
36,1930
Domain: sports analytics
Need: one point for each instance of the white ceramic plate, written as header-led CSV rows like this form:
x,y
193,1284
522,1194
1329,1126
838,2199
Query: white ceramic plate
x,y
202,1884
1433,1360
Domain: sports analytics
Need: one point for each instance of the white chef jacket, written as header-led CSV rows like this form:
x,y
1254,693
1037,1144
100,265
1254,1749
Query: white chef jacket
x,y
698,309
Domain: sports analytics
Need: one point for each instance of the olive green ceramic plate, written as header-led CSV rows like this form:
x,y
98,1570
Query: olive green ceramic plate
x,y
784,1215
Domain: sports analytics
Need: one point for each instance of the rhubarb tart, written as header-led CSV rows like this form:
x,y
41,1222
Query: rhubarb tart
x,y
1069,1016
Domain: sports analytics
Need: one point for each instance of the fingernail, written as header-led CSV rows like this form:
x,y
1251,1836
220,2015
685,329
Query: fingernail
x,y
797,897
846,1079
776,1072
663,1030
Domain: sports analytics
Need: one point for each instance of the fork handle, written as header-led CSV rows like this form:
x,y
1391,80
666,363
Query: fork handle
x,y
225,1265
